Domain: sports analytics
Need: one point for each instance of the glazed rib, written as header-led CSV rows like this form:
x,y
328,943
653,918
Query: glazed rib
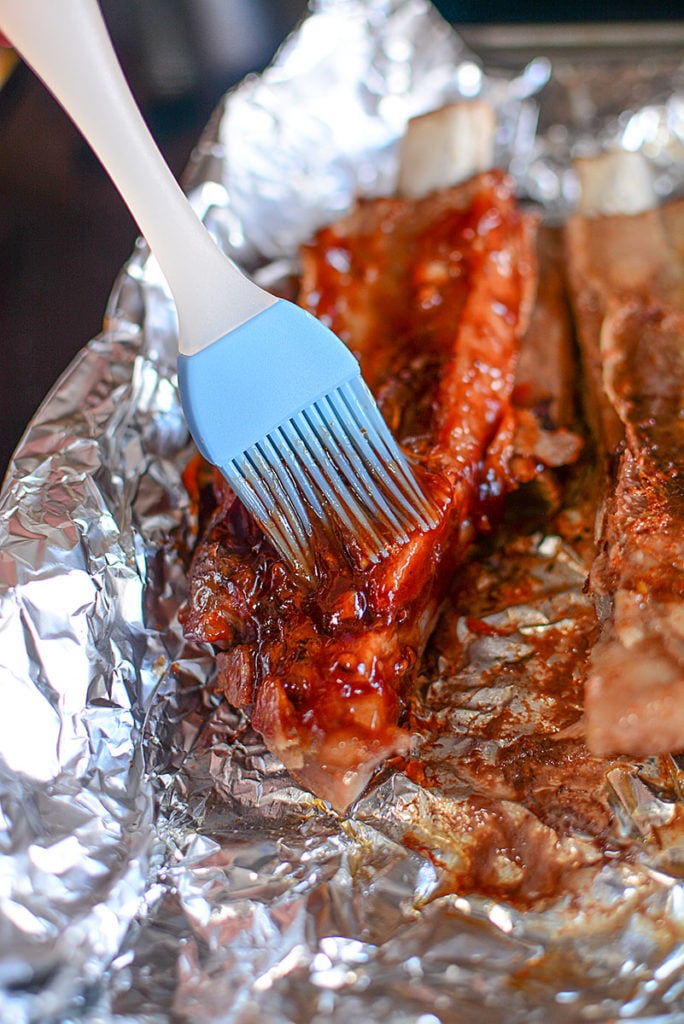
x,y
627,277
433,296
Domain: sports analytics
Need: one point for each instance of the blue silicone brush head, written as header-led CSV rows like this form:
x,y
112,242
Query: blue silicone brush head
x,y
279,405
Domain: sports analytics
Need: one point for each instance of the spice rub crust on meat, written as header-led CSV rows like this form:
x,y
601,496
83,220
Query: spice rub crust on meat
x,y
634,697
627,285
433,295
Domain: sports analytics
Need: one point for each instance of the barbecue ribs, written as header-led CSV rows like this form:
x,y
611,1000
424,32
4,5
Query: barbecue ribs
x,y
627,282
433,296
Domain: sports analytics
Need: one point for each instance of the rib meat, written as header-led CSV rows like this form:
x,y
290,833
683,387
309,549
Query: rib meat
x,y
627,275
613,260
635,692
433,296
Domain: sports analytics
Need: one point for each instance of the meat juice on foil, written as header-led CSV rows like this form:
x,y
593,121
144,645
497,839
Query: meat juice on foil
x,y
157,863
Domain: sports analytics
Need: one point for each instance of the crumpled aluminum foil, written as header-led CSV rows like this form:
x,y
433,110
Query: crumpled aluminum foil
x,y
156,862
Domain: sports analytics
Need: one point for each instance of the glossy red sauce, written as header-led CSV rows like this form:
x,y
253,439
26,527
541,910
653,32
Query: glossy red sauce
x,y
433,296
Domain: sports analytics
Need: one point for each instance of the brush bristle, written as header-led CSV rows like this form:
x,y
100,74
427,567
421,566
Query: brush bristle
x,y
335,461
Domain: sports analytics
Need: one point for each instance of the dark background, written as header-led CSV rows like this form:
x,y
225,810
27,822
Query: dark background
x,y
64,232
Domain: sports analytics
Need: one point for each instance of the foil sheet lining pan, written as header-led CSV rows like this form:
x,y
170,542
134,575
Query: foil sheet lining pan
x,y
156,862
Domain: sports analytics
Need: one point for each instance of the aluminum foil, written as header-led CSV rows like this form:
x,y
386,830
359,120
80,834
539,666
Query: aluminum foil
x,y
156,862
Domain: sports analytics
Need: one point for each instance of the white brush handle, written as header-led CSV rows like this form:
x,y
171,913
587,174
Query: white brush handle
x,y
68,46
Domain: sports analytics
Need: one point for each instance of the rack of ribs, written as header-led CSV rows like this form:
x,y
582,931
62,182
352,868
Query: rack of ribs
x,y
626,275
